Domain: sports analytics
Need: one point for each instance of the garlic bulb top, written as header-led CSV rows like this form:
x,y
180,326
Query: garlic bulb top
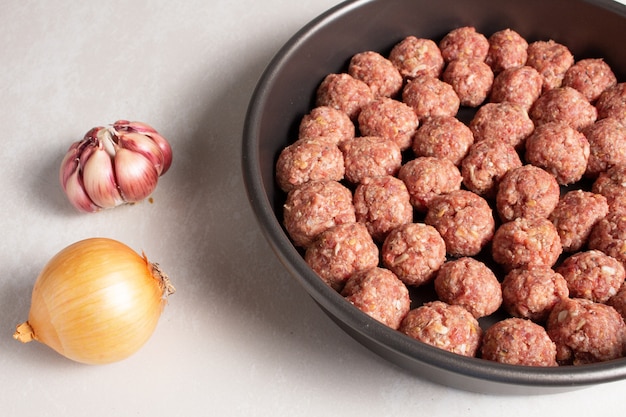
x,y
114,165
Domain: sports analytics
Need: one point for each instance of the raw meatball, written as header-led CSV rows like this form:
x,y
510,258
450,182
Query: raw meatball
x,y
470,284
443,137
380,294
607,145
414,252
592,275
575,215
370,156
518,341
559,149
471,79
462,43
427,177
344,92
585,332
464,220
507,49
390,119
566,105
609,236
314,207
486,163
444,326
551,60
378,72
382,203
340,252
520,85
618,301
612,103
506,121
591,77
417,56
326,122
612,185
526,242
527,191
429,96
532,292
308,160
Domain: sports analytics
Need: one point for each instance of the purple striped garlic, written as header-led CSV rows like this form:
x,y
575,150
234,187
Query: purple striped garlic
x,y
114,165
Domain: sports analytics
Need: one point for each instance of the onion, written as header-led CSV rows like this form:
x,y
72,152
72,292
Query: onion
x,y
97,301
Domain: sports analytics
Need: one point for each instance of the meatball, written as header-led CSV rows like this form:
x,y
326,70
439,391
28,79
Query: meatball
x,y
340,252
380,294
551,59
382,203
370,156
464,220
592,275
517,341
612,102
526,242
444,326
532,292
527,191
344,92
575,215
429,96
314,207
559,149
612,185
390,119
607,145
427,177
417,56
443,137
591,77
326,122
469,283
462,43
618,301
566,105
377,72
487,161
609,236
585,332
307,160
414,252
471,79
519,85
506,121
507,49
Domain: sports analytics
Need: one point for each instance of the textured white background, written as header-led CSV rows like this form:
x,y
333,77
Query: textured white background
x,y
240,337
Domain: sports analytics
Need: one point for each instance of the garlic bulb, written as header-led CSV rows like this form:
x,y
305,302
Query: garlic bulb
x,y
96,301
114,165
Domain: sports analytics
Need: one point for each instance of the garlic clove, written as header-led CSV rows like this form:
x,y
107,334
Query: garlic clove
x,y
136,175
69,164
77,195
149,131
99,179
143,145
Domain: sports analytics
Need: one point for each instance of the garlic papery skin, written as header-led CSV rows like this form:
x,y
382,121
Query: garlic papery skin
x,y
114,165
97,301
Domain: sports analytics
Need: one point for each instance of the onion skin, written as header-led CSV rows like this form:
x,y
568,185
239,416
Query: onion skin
x,y
97,301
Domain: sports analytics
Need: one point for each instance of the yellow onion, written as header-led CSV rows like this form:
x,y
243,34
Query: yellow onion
x,y
96,301
114,165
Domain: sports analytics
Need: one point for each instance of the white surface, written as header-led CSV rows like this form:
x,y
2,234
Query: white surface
x,y
240,337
